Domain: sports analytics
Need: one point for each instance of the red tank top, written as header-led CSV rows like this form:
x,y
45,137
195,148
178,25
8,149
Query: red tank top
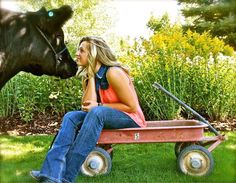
x,y
109,96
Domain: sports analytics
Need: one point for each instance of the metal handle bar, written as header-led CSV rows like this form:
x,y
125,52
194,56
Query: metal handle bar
x,y
158,86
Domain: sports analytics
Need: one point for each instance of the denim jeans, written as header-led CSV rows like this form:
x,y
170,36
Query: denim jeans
x,y
70,149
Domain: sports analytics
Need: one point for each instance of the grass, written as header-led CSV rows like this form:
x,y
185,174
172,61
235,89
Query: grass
x,y
139,163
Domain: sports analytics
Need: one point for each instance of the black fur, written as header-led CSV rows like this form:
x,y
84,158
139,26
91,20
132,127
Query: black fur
x,y
23,48
51,24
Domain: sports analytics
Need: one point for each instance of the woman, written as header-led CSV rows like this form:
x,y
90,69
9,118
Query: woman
x,y
109,101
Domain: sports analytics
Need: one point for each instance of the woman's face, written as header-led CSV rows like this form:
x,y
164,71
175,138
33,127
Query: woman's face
x,y
82,54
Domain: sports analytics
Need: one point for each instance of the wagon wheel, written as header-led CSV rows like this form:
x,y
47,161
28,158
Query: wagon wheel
x,y
195,160
98,162
179,146
108,148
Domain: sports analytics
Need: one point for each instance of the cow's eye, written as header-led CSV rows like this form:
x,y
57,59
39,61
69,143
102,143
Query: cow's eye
x,y
50,14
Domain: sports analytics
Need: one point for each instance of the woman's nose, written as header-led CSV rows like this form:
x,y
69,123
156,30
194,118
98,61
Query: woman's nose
x,y
77,53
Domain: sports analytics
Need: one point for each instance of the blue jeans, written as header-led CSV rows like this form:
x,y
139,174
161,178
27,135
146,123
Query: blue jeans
x,y
70,149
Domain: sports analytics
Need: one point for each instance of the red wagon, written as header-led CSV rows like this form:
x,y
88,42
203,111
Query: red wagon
x,y
192,148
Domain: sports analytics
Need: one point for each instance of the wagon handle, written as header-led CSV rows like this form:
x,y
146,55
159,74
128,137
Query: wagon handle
x,y
158,86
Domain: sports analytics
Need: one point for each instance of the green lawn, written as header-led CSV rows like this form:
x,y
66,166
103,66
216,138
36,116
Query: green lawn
x,y
149,163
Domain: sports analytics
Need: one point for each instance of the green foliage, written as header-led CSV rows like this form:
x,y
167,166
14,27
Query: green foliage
x,y
28,94
218,17
7,96
156,24
198,69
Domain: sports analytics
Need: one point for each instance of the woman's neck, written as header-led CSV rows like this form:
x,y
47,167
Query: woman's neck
x,y
97,67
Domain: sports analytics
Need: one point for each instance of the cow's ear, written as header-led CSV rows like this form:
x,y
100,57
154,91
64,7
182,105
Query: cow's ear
x,y
42,11
38,18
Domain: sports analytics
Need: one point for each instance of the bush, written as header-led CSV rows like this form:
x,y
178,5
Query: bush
x,y
28,94
198,69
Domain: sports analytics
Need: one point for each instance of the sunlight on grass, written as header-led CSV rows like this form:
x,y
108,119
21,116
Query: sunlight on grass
x,y
11,149
18,172
233,147
18,149
232,144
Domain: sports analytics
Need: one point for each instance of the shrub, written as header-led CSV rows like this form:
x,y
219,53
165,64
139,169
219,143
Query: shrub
x,y
28,94
198,69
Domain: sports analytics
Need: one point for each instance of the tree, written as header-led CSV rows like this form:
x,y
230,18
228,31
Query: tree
x,y
216,16
156,24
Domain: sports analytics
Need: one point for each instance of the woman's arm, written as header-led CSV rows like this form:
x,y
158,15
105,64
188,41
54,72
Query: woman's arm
x,y
89,99
120,83
90,91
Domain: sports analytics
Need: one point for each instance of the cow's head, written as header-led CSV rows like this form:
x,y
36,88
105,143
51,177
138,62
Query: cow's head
x,y
47,51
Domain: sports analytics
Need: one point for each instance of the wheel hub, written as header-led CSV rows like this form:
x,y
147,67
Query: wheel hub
x,y
196,163
94,164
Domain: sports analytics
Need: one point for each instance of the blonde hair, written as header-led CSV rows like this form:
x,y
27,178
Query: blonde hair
x,y
99,51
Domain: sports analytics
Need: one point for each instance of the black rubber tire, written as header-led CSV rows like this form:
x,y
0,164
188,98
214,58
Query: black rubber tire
x,y
106,148
195,160
179,146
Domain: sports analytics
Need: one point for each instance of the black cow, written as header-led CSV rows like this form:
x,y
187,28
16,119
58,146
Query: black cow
x,y
34,42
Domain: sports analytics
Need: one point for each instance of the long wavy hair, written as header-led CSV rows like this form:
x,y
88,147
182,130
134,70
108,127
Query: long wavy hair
x,y
99,51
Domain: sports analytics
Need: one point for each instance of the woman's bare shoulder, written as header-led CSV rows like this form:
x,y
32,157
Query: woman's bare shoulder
x,y
116,73
115,70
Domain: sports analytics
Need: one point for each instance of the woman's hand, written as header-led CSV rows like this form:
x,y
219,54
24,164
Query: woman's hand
x,y
88,105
